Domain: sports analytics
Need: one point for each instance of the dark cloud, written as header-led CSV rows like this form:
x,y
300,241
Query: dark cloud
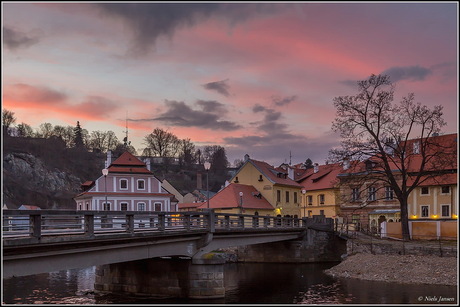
x,y
258,108
221,87
278,101
212,106
180,114
149,21
414,73
14,39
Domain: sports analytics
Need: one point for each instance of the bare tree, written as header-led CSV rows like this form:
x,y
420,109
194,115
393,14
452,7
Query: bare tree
x,y
45,130
8,119
161,143
383,133
102,141
25,130
187,152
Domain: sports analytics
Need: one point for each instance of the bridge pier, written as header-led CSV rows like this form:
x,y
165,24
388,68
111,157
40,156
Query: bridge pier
x,y
164,278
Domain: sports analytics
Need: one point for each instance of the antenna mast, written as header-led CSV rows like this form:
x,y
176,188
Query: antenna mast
x,y
125,140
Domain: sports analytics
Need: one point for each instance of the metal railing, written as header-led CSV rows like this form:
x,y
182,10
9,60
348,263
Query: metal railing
x,y
38,223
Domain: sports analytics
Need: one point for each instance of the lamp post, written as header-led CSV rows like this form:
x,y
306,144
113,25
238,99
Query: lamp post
x,y
207,166
105,172
241,202
305,203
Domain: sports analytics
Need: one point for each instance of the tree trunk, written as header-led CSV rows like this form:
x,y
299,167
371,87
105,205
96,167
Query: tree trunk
x,y
404,220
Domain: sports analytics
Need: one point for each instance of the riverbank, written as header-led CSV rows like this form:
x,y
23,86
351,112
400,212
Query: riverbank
x,y
408,269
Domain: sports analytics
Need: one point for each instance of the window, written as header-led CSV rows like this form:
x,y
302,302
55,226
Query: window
x,y
310,200
260,178
445,210
424,191
287,196
141,184
321,199
445,189
355,218
321,212
140,206
309,213
87,206
355,194
425,211
123,184
79,207
236,179
371,193
124,206
295,197
278,195
106,206
388,193
157,206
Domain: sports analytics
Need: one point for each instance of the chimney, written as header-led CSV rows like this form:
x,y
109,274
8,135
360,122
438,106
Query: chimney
x,y
147,163
109,159
291,173
199,181
246,158
346,164
315,168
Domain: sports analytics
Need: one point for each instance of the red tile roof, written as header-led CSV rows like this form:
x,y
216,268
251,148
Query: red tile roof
x,y
325,178
229,197
128,163
275,175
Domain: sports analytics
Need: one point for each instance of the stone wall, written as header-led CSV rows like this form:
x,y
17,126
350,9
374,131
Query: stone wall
x,y
315,246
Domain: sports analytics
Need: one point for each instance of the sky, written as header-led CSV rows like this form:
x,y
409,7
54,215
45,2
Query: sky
x,y
256,78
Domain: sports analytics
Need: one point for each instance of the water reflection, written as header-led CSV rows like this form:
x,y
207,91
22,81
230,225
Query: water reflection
x,y
246,283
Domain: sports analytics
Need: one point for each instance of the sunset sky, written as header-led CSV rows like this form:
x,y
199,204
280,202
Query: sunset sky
x,y
255,78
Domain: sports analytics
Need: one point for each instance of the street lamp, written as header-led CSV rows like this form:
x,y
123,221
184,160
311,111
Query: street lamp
x,y
105,172
241,202
207,166
305,203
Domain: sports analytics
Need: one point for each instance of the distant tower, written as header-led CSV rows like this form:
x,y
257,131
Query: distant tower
x,y
126,143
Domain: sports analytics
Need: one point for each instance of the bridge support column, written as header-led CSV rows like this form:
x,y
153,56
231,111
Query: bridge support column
x,y
163,278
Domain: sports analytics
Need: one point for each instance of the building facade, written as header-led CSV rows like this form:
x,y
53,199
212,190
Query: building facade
x,y
129,185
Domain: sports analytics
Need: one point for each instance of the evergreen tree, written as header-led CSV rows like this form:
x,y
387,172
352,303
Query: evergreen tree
x,y
78,136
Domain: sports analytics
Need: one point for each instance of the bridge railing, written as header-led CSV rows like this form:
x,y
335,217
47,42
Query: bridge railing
x,y
38,223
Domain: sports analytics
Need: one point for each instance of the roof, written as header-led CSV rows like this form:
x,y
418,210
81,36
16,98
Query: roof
x,y
229,197
275,175
189,205
447,143
382,211
128,163
325,178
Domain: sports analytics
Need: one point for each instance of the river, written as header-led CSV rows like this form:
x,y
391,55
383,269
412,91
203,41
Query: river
x,y
246,283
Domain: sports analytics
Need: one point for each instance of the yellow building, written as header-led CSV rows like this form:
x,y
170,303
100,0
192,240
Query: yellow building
x,y
275,184
320,191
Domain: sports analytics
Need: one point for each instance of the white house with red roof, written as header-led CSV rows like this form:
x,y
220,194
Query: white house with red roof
x,y
129,185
